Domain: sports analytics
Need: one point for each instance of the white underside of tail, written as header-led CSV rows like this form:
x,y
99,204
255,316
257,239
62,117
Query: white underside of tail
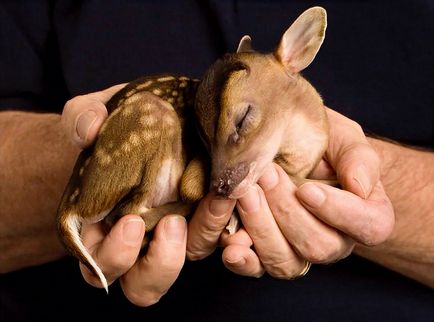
x,y
74,225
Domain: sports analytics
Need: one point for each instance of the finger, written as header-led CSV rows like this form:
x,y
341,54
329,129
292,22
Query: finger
x,y
370,221
207,224
242,260
151,277
116,252
312,238
105,95
277,256
83,115
241,237
323,171
349,153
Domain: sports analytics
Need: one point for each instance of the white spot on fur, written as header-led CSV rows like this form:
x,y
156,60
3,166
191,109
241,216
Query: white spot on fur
x,y
128,110
148,120
133,99
134,139
144,85
126,147
103,157
131,92
142,208
165,79
157,92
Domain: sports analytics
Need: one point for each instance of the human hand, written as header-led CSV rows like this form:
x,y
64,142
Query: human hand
x,y
289,226
143,280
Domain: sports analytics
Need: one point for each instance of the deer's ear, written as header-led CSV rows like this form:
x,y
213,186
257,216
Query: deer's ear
x,y
301,42
245,45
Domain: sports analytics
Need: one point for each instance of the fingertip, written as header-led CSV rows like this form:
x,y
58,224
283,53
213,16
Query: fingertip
x,y
175,229
270,177
241,237
88,124
358,170
117,252
133,230
206,225
311,195
360,179
251,201
242,260
219,207
363,182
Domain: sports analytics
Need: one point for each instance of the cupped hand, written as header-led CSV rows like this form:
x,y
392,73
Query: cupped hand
x,y
144,280
285,228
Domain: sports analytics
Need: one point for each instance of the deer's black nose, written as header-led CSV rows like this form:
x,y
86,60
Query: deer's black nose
x,y
227,180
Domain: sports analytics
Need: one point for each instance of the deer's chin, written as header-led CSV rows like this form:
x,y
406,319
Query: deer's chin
x,y
243,187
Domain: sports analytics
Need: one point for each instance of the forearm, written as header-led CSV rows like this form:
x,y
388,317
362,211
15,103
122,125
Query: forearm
x,y
408,177
36,159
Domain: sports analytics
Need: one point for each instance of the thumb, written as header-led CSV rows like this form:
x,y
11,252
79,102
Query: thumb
x,y
83,115
356,163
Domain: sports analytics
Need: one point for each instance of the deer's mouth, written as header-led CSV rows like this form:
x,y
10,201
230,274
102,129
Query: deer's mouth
x,y
234,182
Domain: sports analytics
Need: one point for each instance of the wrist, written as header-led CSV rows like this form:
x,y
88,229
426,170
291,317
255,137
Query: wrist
x,y
388,153
408,178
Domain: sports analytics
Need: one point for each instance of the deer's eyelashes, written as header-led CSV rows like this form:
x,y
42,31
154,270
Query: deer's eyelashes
x,y
242,124
241,119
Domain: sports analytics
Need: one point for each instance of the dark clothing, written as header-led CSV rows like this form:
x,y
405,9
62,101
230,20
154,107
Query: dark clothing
x,y
375,66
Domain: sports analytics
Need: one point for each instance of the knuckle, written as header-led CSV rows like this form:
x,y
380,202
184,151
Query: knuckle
x,y
356,126
170,266
283,270
121,262
377,231
195,254
283,209
73,103
82,101
321,251
379,224
317,255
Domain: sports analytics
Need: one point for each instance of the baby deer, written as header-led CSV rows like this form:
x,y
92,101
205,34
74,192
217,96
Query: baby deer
x,y
249,109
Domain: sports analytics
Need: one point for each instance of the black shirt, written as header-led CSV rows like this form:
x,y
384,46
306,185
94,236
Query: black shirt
x,y
375,66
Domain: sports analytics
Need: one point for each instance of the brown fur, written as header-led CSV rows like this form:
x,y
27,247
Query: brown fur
x,y
250,108
123,172
266,110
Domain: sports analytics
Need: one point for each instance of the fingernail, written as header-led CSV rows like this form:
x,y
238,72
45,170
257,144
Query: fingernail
x,y
174,227
363,180
220,207
269,179
84,123
237,262
311,195
251,201
133,231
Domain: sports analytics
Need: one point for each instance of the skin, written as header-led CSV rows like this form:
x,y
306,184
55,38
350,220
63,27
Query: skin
x,y
357,161
278,217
